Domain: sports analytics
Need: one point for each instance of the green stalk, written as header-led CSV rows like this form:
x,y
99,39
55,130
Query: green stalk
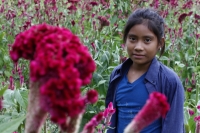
x,y
197,95
45,127
20,126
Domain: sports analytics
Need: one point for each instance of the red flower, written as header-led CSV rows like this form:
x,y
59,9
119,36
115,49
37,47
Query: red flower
x,y
103,22
155,107
189,89
197,16
108,112
191,112
183,16
1,104
73,1
93,3
190,13
90,126
11,86
92,96
61,64
72,8
73,22
197,118
188,4
197,36
93,46
174,3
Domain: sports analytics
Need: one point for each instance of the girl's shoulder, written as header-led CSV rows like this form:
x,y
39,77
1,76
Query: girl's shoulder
x,y
170,75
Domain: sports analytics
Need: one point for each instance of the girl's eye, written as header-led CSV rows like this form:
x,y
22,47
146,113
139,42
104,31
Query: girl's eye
x,y
147,40
132,38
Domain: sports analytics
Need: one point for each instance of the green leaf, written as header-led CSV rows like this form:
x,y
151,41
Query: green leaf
x,y
24,95
8,100
19,98
3,90
101,82
11,126
5,117
181,65
114,19
164,58
7,73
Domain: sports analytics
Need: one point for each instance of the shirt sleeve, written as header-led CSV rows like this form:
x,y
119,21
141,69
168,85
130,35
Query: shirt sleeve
x,y
174,120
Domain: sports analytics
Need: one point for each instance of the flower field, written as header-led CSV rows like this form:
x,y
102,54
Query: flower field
x,y
88,43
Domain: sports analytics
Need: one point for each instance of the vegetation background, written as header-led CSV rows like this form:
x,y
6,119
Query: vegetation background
x,y
99,24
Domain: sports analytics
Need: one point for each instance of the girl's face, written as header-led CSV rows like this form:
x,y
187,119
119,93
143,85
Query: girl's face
x,y
142,45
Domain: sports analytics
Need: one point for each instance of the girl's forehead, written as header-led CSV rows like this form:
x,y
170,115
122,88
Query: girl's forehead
x,y
140,29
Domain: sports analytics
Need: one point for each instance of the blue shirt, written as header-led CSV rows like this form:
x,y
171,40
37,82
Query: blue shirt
x,y
130,98
158,78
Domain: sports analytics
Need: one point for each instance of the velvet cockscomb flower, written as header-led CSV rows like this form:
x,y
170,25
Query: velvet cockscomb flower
x,y
191,112
103,21
155,107
60,64
183,16
107,114
197,120
94,3
188,5
92,96
90,126
189,89
196,16
173,3
197,36
0,103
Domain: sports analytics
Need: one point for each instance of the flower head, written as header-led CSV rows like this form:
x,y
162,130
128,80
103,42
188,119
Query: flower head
x,y
0,104
92,96
90,126
174,3
198,107
196,16
191,112
155,107
61,64
103,21
197,118
197,36
188,4
108,112
182,17
94,3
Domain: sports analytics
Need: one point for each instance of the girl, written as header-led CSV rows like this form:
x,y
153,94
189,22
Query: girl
x,y
132,81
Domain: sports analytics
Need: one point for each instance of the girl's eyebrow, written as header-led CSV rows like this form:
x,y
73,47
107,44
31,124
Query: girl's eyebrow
x,y
131,35
145,36
149,36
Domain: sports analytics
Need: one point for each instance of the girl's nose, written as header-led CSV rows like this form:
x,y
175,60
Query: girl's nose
x,y
139,46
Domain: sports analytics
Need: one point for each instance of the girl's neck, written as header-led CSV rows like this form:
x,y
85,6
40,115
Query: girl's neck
x,y
140,68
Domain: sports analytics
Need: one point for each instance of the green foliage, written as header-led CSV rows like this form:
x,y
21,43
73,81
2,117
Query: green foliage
x,y
11,126
104,43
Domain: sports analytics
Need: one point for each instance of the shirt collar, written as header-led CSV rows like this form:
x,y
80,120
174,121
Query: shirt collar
x,y
152,73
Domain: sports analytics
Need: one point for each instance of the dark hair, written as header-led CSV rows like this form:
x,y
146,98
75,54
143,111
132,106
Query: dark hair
x,y
151,18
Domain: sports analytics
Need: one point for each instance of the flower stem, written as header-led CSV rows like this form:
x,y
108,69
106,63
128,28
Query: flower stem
x,y
36,115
